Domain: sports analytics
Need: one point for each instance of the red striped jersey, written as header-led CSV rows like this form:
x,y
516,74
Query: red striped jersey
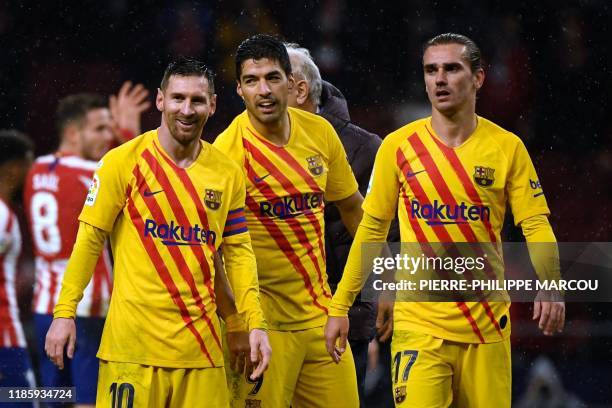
x,y
444,194
54,192
165,222
286,189
11,332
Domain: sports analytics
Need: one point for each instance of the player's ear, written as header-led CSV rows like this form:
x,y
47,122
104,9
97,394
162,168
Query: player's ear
x,y
159,100
213,104
479,78
302,91
71,133
239,90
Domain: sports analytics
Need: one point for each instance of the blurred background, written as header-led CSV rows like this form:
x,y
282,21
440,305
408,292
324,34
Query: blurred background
x,y
547,64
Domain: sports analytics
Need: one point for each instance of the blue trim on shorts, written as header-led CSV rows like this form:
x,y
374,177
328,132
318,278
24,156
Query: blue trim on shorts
x,y
80,372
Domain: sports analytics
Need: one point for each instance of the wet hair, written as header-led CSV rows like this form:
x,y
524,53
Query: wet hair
x,y
74,108
309,70
185,66
471,54
14,145
262,46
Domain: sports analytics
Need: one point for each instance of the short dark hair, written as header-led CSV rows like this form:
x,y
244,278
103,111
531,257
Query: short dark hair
x,y
74,108
262,46
14,145
186,66
472,52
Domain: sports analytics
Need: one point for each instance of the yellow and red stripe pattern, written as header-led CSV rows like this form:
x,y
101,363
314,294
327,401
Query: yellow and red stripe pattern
x,y
285,199
164,236
441,198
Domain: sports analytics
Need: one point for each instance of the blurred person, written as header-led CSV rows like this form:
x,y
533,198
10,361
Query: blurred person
x,y
16,154
451,353
160,344
545,389
314,95
56,187
292,160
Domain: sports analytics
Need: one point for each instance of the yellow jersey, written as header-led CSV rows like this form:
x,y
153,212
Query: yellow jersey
x,y
165,222
451,195
286,189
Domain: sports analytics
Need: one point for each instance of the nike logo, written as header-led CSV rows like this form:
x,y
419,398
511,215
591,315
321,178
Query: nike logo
x,y
151,193
260,179
411,174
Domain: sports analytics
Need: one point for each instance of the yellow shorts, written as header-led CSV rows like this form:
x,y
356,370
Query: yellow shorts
x,y
127,385
427,371
301,374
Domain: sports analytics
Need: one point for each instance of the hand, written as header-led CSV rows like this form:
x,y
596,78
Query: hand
x,y
550,313
238,345
62,331
336,328
384,320
261,352
127,106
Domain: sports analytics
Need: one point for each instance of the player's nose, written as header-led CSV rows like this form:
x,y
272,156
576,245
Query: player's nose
x,y
440,77
108,135
186,108
264,88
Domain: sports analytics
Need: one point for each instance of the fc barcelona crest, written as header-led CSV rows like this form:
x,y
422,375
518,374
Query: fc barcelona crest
x,y
400,394
483,176
212,198
315,165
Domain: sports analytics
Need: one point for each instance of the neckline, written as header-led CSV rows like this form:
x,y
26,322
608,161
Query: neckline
x,y
268,143
432,132
163,152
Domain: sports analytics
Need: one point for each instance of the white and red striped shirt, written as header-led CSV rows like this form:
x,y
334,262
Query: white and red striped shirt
x,y
55,191
11,332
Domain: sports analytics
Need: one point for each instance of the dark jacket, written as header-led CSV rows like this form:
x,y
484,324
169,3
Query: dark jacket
x,y
361,147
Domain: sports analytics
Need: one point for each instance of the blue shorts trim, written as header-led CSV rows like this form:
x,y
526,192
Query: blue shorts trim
x,y
80,372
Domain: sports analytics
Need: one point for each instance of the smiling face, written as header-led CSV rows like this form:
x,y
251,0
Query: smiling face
x,y
264,87
449,81
186,104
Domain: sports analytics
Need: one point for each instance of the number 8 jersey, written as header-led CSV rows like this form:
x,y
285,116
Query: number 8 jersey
x,y
54,193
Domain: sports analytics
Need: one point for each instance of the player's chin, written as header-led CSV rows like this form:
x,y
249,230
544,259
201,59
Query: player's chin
x,y
269,117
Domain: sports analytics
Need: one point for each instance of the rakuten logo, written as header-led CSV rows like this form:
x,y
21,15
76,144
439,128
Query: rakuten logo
x,y
174,234
440,214
292,206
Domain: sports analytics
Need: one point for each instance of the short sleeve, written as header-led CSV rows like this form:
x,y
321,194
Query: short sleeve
x,y
236,231
228,143
523,187
107,195
341,181
383,189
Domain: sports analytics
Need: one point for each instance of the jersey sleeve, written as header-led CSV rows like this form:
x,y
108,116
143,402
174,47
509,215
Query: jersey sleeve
x,y
87,247
230,144
383,189
523,187
107,194
341,181
235,230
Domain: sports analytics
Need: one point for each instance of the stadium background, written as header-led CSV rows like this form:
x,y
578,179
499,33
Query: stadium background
x,y
548,68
